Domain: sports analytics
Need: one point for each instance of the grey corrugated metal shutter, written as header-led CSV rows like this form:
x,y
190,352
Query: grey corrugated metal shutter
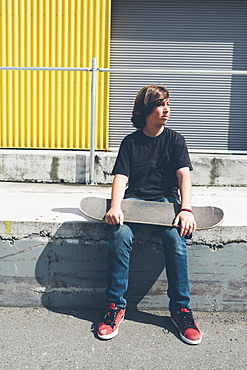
x,y
210,111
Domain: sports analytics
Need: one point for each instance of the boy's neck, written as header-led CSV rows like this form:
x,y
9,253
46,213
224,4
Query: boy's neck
x,y
153,132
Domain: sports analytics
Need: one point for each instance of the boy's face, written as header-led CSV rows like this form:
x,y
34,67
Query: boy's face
x,y
160,114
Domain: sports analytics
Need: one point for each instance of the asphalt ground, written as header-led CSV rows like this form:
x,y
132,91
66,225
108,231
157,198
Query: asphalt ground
x,y
36,338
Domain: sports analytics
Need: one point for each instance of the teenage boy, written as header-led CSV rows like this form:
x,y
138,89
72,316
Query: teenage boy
x,y
154,161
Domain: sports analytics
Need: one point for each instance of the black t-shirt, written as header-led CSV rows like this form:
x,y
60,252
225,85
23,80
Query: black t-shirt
x,y
151,164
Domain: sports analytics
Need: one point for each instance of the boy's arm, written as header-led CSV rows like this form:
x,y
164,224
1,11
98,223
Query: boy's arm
x,y
185,219
115,215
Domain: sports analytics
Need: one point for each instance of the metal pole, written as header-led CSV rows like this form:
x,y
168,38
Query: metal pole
x,y
93,116
44,69
175,71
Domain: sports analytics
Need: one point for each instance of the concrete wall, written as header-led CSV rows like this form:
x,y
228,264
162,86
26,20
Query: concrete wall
x,y
43,166
63,265
73,167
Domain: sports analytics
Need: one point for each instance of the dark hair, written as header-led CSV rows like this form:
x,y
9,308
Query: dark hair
x,y
146,99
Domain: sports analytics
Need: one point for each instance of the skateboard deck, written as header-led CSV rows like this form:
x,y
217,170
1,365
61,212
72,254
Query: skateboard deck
x,y
150,212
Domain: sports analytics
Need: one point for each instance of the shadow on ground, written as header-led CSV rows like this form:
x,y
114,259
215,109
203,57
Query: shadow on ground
x,y
72,274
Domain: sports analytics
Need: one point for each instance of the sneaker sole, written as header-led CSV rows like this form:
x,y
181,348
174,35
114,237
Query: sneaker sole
x,y
186,340
113,334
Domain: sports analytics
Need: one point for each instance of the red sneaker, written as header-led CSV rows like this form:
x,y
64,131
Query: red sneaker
x,y
108,328
188,330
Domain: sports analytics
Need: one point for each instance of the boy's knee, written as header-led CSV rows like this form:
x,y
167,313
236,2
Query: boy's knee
x,y
121,233
170,233
170,238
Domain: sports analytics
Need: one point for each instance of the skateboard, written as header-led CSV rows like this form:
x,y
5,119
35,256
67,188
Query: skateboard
x,y
151,212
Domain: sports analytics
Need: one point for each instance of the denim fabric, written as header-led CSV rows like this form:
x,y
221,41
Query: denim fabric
x,y
175,251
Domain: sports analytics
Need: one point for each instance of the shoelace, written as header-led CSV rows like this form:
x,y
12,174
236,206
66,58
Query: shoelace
x,y
187,319
110,316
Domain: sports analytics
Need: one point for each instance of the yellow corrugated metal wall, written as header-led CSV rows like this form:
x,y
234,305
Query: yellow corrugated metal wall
x,y
51,109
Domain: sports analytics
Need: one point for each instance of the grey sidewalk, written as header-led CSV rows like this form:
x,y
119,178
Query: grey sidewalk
x,y
59,203
40,339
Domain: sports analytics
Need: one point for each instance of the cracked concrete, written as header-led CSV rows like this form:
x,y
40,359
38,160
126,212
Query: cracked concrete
x,y
68,271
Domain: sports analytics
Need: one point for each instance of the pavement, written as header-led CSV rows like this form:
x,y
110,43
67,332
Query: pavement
x,y
59,202
38,339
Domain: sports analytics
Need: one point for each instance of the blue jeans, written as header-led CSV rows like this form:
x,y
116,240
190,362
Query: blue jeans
x,y
175,251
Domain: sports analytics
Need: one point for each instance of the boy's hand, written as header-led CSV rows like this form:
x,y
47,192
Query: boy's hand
x,y
186,222
114,216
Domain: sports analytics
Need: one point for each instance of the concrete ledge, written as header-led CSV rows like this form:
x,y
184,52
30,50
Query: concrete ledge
x,y
44,166
219,170
64,265
73,167
95,231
